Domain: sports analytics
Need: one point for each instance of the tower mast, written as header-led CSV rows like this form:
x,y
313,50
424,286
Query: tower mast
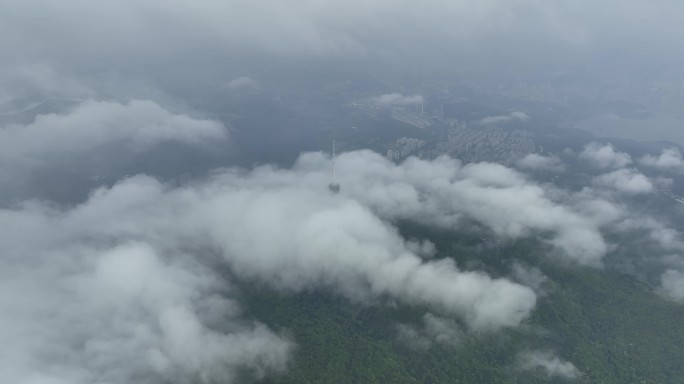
x,y
334,186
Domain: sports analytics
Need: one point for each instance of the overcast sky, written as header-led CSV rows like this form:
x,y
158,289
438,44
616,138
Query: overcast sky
x,y
96,42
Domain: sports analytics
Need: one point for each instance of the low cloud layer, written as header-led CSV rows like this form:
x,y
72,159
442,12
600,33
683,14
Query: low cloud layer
x,y
604,156
93,131
243,83
434,330
80,308
628,181
529,276
604,202
672,284
123,286
138,124
397,99
548,362
513,116
444,191
669,160
537,162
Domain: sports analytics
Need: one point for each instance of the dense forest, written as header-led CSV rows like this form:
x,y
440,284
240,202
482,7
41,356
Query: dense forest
x,y
611,326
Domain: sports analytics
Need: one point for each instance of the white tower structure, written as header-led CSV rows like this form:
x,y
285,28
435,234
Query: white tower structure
x,y
334,186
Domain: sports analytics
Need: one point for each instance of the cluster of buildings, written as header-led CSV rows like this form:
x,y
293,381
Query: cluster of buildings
x,y
403,148
453,136
485,144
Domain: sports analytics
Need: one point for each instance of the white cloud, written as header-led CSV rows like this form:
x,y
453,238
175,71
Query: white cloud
x,y
605,157
81,311
628,181
551,364
669,160
142,255
532,277
138,124
672,284
443,191
513,116
243,83
93,132
536,162
396,99
124,286
297,237
600,206
435,330
608,210
650,229
42,80
423,248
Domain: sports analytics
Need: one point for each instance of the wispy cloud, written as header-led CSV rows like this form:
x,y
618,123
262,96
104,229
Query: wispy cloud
x,y
549,363
396,99
513,116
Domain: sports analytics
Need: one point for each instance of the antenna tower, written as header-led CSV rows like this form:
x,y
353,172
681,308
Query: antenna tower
x,y
333,160
334,186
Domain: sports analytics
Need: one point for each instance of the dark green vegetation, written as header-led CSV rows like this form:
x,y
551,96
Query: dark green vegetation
x,y
611,326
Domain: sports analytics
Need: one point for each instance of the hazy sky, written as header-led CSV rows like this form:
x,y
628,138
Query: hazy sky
x,y
86,44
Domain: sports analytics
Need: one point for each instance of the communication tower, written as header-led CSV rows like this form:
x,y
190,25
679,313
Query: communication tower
x,y
334,186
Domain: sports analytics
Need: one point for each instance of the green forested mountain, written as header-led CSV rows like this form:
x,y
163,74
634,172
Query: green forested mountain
x,y
611,326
